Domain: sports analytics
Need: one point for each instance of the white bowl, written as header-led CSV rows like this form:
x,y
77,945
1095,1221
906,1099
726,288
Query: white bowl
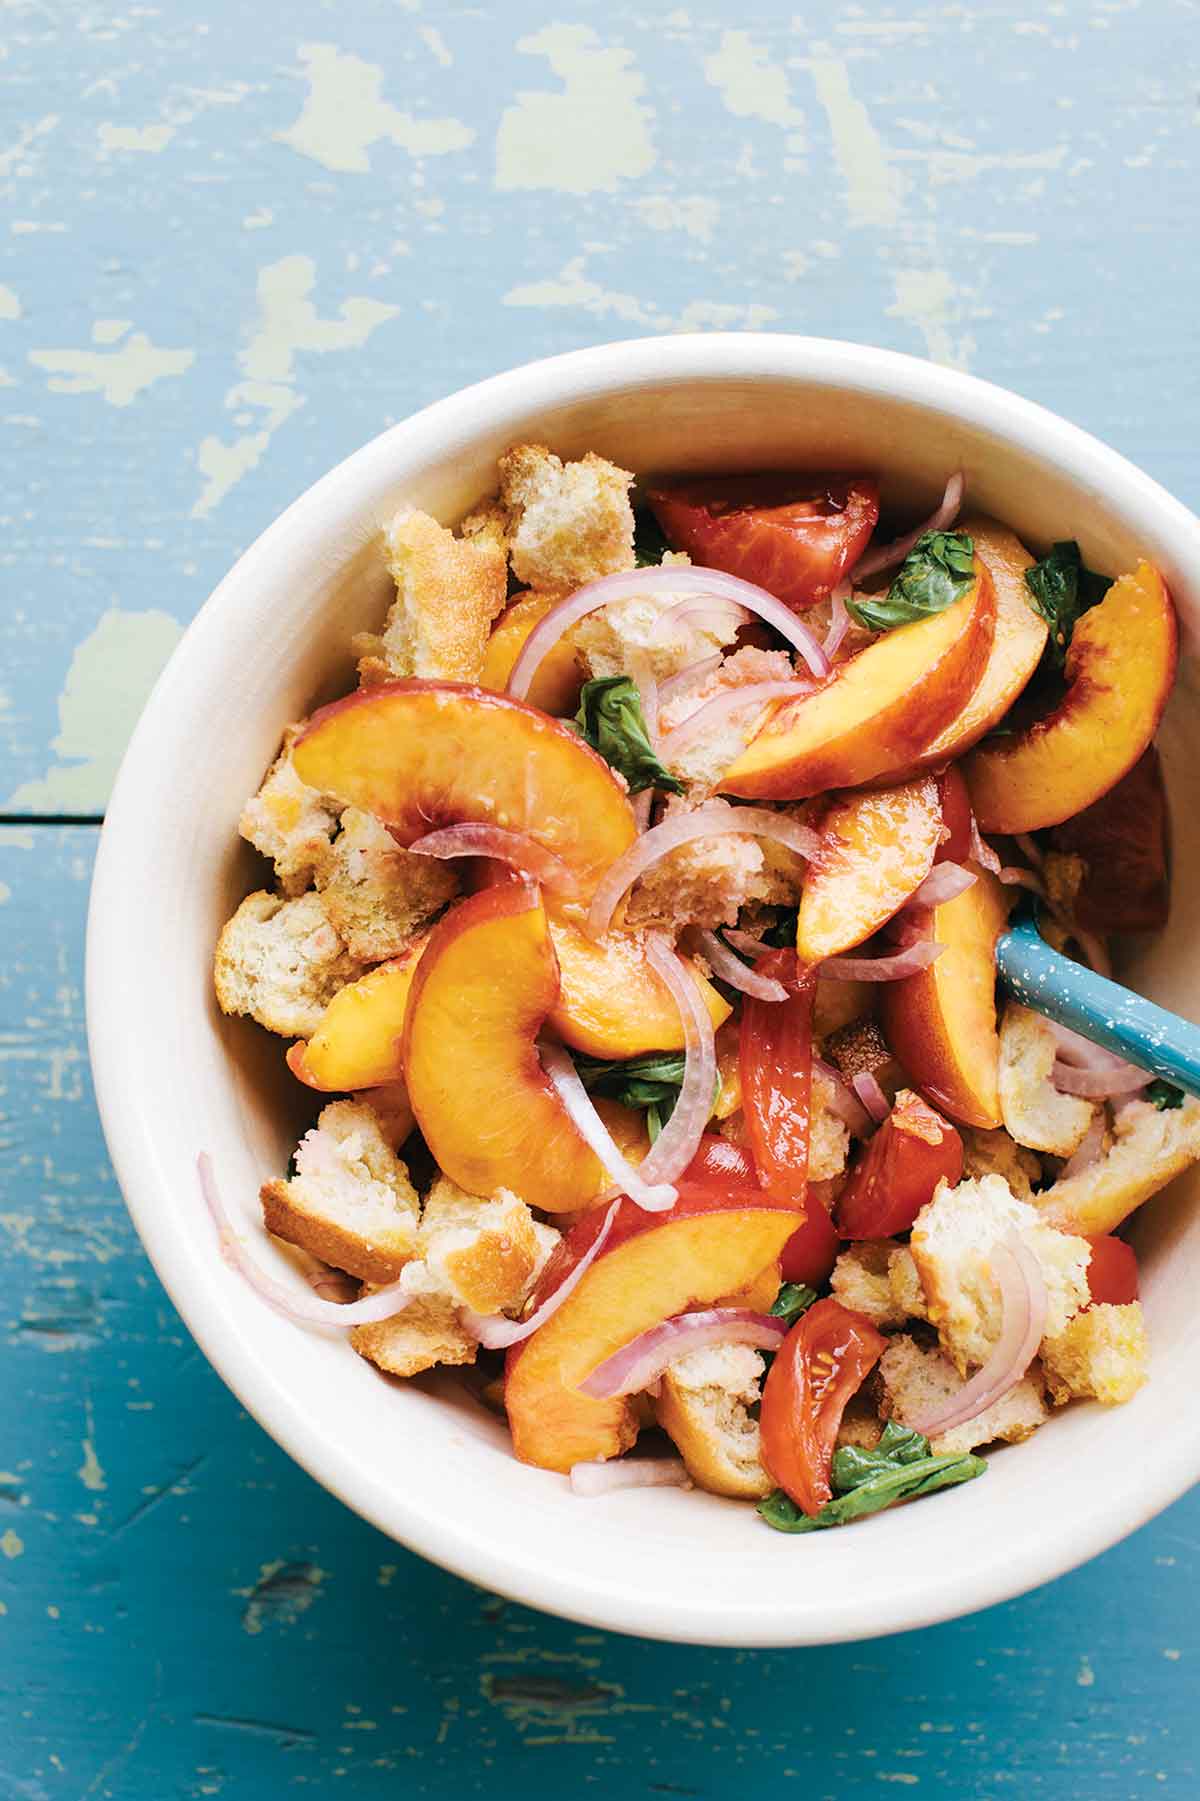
x,y
421,1460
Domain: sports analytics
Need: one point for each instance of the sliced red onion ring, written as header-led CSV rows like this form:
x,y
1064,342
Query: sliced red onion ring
x,y
843,1101
1073,1047
679,1139
725,705
578,1102
747,943
839,621
1099,1084
982,852
1028,847
1015,875
732,970
693,673
715,819
1090,1146
907,962
632,1369
944,882
495,1333
591,1479
866,1087
647,687
1093,949
717,615
886,556
524,853
1023,1302
688,583
305,1309
642,804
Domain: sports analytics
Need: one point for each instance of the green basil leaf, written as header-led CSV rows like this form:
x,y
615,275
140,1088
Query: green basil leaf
x,y
793,1299
610,718
906,1482
937,571
1164,1095
854,1464
636,1081
649,541
1061,589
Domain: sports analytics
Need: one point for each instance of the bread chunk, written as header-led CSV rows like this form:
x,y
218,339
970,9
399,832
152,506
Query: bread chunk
x,y
703,1404
282,962
448,591
995,1153
1035,1113
1103,1353
702,760
481,1253
913,1380
289,822
350,1201
428,1332
379,897
1148,1150
862,1282
569,523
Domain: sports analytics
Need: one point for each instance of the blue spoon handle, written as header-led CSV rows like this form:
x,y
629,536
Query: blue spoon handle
x,y
1049,983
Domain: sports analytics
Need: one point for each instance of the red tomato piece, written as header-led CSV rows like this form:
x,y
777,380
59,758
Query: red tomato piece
x,y
956,816
898,1170
825,1357
811,1252
722,1163
775,1061
1112,1273
795,535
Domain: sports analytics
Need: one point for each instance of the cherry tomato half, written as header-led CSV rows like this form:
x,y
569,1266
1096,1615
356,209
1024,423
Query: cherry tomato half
x,y
1112,1274
795,535
775,1063
824,1359
898,1170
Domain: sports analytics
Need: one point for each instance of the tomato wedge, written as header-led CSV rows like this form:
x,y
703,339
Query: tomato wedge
x,y
898,1170
1112,1274
811,1252
796,535
775,1061
722,1163
825,1357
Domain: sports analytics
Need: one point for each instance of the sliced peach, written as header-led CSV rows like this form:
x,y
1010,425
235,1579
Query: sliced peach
x,y
488,1111
1119,672
559,677
877,711
941,1024
611,1003
359,1042
425,754
653,1266
1017,644
876,846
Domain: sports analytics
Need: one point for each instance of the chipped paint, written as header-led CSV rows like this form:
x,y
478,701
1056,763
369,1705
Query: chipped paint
x,y
11,1543
874,188
282,1593
149,138
10,306
344,115
695,214
754,85
588,138
120,375
929,300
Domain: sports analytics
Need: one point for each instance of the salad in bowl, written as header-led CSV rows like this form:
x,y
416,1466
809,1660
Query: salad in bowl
x,y
633,923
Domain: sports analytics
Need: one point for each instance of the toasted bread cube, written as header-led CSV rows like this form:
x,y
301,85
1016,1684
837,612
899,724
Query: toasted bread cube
x,y
905,1283
1035,1112
569,522
448,591
702,760
1149,1149
289,822
862,1282
282,962
482,1253
703,883
913,1380
951,1238
703,1404
1102,1353
350,1201
828,1134
860,1423
426,1333
379,897
995,1153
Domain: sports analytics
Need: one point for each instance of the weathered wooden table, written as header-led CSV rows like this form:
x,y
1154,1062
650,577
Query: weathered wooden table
x,y
240,240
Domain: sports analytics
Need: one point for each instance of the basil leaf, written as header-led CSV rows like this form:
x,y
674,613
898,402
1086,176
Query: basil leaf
x,y
1164,1095
610,718
793,1299
937,571
649,540
855,1464
905,1482
647,1081
1061,589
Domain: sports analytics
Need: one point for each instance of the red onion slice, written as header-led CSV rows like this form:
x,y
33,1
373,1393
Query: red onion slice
x,y
1093,949
747,943
632,1369
907,962
679,1139
642,804
1028,847
1073,1047
495,1333
1023,1300
839,621
694,673
886,556
524,853
717,615
1015,875
732,970
945,882
587,1122
1090,1146
1099,1084
715,819
982,852
647,687
843,1101
305,1309
866,1087
687,582
600,1478
726,705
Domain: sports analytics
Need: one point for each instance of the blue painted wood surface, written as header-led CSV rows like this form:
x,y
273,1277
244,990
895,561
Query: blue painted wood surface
x,y
238,241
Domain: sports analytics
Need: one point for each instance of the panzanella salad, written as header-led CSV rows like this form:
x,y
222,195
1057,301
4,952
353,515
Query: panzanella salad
x,y
634,920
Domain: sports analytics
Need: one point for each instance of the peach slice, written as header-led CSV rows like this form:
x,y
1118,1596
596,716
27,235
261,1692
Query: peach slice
x,y
1017,644
653,1265
558,679
611,1003
359,1042
424,754
878,710
1119,672
941,1024
1121,843
876,846
488,1111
